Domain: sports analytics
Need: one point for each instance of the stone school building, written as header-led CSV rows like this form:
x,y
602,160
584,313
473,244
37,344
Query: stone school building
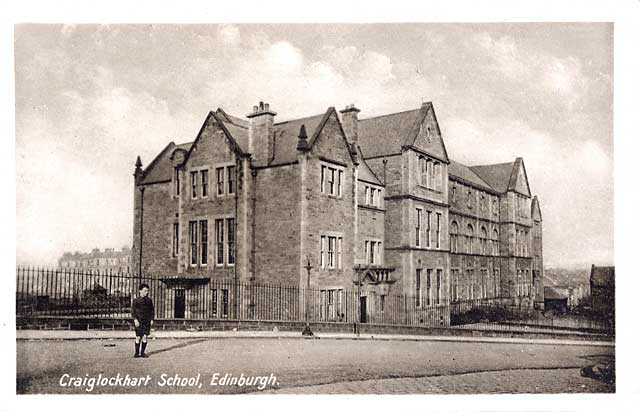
x,y
338,203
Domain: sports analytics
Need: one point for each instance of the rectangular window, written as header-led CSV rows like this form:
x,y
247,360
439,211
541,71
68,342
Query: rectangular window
x,y
323,177
204,176
331,180
204,239
176,180
214,303
176,236
379,255
379,204
231,242
193,240
372,252
194,185
438,285
372,197
231,180
225,303
382,303
429,286
418,292
339,252
428,228
220,181
219,242
438,230
366,195
323,240
331,250
339,192
418,224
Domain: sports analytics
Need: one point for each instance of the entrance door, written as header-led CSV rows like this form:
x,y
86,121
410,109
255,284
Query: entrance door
x,y
178,304
363,309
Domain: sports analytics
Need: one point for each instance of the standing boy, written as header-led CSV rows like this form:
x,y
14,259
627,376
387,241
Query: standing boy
x,y
142,313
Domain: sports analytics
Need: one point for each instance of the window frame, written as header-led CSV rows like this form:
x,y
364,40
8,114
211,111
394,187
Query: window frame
x,y
204,185
332,177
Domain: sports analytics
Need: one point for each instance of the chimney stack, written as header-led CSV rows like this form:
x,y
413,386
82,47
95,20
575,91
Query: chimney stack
x,y
350,123
261,133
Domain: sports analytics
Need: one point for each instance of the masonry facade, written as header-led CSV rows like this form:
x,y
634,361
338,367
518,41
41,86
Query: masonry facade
x,y
98,261
374,204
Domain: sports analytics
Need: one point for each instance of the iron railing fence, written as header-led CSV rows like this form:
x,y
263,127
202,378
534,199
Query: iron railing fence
x,y
109,294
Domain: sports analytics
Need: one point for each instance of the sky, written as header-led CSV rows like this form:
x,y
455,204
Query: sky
x,y
91,98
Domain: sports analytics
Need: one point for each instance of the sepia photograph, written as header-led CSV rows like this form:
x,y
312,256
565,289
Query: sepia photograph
x,y
381,208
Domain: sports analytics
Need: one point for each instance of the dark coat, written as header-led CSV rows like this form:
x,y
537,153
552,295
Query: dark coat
x,y
142,309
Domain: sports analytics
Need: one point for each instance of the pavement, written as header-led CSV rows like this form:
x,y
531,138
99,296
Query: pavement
x,y
331,364
119,334
550,381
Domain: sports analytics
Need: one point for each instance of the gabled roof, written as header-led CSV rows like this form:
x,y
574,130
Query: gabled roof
x,y
465,173
286,135
232,119
385,135
503,177
497,176
365,173
225,128
161,168
603,276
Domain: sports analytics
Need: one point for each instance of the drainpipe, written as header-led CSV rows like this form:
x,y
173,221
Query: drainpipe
x,y
141,231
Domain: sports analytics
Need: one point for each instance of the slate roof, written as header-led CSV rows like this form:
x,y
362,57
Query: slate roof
x,y
365,173
497,176
552,293
603,276
287,137
467,174
385,135
161,168
232,119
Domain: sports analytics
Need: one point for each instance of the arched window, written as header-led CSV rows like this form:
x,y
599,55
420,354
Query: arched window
x,y
495,244
453,235
422,169
483,241
469,242
429,173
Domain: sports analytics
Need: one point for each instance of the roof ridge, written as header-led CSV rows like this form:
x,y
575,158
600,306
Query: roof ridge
x,y
389,114
299,118
493,164
474,172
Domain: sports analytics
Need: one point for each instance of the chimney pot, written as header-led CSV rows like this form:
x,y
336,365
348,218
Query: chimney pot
x,y
266,107
261,106
255,109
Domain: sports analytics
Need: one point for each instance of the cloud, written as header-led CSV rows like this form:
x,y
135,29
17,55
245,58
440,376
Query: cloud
x,y
91,98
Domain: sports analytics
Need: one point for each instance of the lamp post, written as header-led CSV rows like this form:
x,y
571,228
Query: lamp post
x,y
307,329
358,314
